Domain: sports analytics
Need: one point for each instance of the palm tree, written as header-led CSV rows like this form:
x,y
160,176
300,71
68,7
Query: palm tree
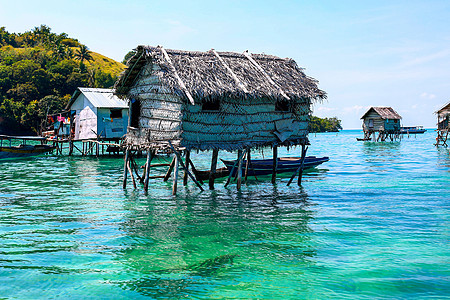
x,y
83,54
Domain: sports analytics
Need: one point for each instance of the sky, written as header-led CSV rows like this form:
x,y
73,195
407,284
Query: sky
x,y
363,53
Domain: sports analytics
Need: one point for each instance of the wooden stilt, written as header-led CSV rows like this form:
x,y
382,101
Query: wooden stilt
x,y
175,176
178,155
147,169
144,172
70,147
131,172
188,158
233,168
97,149
215,154
300,175
239,171
247,164
301,165
169,170
275,163
125,169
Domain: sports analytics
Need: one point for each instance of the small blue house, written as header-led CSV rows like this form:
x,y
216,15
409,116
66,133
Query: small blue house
x,y
96,113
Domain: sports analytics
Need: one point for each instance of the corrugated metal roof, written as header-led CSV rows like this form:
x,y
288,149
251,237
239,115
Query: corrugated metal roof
x,y
103,98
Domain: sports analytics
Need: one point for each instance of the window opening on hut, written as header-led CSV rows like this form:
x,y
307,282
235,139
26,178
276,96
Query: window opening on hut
x,y
115,114
282,105
370,123
211,105
135,113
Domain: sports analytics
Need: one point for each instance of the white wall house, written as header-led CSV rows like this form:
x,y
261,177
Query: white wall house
x,y
99,112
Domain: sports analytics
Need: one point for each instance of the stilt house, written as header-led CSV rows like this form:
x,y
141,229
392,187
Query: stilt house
x,y
97,113
215,100
382,120
443,124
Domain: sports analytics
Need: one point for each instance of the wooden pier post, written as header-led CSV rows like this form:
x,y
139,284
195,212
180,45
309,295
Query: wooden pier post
x,y
300,168
239,170
188,158
70,147
215,154
175,176
247,164
131,171
169,170
304,149
125,169
275,163
147,169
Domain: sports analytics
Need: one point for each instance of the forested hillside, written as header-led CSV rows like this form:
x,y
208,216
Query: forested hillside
x,y
39,71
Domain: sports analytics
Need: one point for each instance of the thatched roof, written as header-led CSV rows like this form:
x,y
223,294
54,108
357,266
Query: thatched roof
x,y
385,113
444,110
212,75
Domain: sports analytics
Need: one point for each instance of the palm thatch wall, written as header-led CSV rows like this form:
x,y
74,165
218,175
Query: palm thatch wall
x,y
216,100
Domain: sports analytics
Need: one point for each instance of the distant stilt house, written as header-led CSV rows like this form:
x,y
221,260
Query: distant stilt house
x,y
98,115
384,121
443,124
185,100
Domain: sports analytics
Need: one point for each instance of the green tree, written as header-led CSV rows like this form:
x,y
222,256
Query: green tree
x,y
83,54
128,56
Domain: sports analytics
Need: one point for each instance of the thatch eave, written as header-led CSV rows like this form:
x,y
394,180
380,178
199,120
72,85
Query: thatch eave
x,y
208,78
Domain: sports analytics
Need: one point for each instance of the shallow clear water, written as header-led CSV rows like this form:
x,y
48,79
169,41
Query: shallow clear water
x,y
373,222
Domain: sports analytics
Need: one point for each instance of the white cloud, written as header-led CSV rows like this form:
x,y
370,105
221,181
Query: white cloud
x,y
427,96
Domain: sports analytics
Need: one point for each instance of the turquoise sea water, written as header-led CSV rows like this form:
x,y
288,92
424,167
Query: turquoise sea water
x,y
372,223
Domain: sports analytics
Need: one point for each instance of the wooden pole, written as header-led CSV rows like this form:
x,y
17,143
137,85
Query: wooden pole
x,y
178,155
275,163
213,168
304,149
247,165
188,158
239,171
232,170
301,164
175,176
125,171
169,170
70,147
131,173
147,169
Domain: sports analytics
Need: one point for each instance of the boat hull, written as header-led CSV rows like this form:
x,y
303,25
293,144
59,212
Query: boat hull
x,y
24,151
285,165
